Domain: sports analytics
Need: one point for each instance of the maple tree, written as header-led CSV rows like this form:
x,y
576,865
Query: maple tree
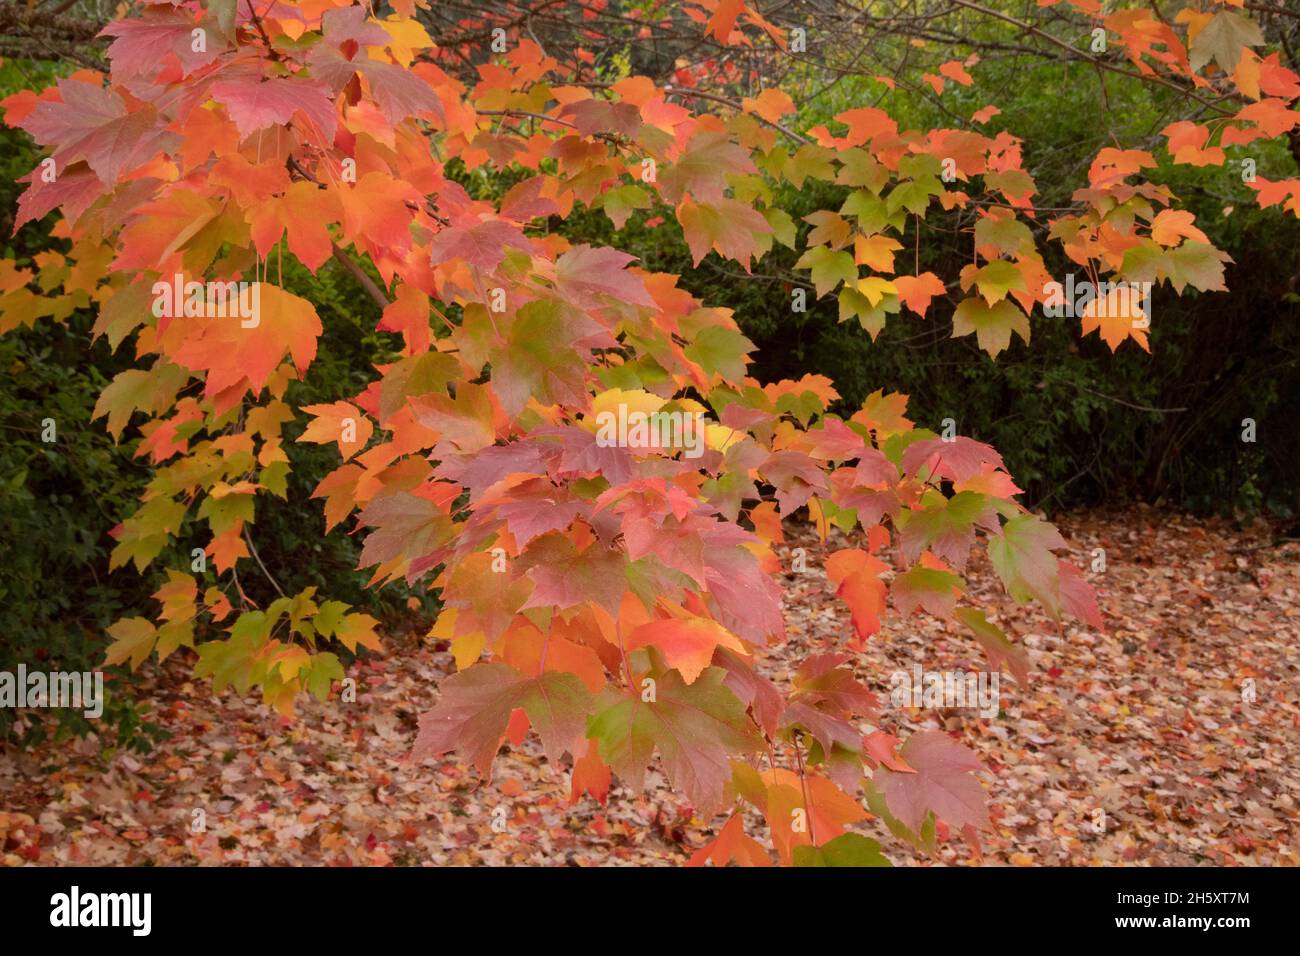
x,y
615,600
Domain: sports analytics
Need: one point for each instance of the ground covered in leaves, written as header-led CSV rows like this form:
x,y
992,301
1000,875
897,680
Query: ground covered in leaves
x,y
1133,746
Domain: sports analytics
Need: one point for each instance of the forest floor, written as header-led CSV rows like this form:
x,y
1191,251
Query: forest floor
x,y
1130,746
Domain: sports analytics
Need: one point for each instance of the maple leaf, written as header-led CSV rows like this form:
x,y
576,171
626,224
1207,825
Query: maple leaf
x,y
545,356
93,124
1197,264
825,811
407,526
231,351
338,422
133,639
529,651
829,229
1022,556
409,314
687,644
376,212
163,227
728,226
1187,141
143,46
754,690
467,421
588,276
796,477
933,589
942,784
947,526
856,575
731,844
596,116
354,629
137,390
771,104
997,647
723,19
399,92
255,104
1117,315
590,775
1223,39
821,680
996,279
992,325
701,171
847,849
696,729
883,414
954,70
74,191
1077,595
566,577
530,506
481,244
475,705
828,268
877,252
882,747
956,459
1171,225
303,212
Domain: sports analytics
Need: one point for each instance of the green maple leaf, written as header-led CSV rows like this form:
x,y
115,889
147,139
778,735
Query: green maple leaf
x,y
231,661
125,312
809,162
783,228
847,849
1010,236
1195,263
1022,556
721,351
620,202
133,639
697,729
998,278
871,316
325,668
421,374
946,526
540,359
859,168
828,268
151,391
928,588
871,212
913,195
992,325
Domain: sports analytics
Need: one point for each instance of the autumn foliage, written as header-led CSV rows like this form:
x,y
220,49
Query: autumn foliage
x,y
615,601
